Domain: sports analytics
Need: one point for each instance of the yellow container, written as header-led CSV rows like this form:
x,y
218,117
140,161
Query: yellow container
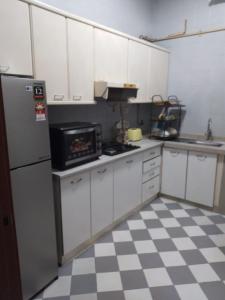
x,y
134,134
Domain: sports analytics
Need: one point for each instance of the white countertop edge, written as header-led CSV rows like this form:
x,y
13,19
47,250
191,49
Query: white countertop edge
x,y
104,159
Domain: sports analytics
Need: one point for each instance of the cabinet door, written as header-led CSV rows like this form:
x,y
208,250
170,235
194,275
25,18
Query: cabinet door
x,y
15,49
101,198
111,52
76,211
50,52
201,178
138,60
81,61
158,73
174,172
127,185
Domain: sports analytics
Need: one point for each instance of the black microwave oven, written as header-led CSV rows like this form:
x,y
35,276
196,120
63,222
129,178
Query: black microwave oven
x,y
73,144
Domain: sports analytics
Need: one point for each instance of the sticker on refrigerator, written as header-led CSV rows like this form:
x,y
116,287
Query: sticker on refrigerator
x,y
40,111
38,92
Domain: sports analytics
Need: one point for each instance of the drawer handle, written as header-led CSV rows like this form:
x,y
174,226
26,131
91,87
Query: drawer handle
x,y
58,97
77,181
152,153
77,98
102,171
4,69
201,157
152,173
129,161
152,164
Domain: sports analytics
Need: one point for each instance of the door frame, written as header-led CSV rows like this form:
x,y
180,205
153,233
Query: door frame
x,y
9,260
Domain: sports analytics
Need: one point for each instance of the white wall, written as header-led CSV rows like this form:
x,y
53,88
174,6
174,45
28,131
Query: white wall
x,y
197,64
129,16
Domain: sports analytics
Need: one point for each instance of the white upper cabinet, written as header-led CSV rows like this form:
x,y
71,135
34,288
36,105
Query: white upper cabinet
x,y
138,66
201,178
81,61
50,52
110,56
15,49
158,73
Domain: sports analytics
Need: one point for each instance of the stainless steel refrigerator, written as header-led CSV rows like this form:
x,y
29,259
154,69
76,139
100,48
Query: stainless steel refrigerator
x,y
30,166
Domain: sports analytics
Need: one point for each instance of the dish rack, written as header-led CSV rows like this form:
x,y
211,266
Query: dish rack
x,y
165,117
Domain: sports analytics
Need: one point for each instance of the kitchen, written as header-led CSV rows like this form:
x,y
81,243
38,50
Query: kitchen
x,y
140,224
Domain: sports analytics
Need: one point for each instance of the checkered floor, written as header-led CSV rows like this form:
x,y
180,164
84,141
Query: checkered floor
x,y
168,251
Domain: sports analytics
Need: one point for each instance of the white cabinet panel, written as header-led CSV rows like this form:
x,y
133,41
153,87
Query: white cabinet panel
x,y
158,73
101,198
201,178
174,172
76,210
150,188
127,185
15,49
50,52
81,61
111,52
138,60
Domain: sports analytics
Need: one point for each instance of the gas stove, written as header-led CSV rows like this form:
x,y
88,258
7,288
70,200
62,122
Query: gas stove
x,y
112,149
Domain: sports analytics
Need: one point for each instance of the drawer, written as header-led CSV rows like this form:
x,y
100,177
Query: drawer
x,y
151,164
151,174
152,153
150,188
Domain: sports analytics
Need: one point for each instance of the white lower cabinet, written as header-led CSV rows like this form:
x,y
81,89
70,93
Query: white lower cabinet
x,y
76,210
201,178
101,198
174,172
150,188
127,185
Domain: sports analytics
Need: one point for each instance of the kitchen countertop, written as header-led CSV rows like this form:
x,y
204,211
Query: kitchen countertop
x,y
194,147
144,144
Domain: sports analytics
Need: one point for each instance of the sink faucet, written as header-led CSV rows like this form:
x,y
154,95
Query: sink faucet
x,y
209,130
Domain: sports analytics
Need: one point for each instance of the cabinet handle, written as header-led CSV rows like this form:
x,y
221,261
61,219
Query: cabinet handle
x,y
129,161
77,98
151,187
4,69
174,153
152,153
102,171
152,164
58,97
201,157
152,173
77,181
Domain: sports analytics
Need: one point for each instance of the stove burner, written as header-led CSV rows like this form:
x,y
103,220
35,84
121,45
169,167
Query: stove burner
x,y
112,149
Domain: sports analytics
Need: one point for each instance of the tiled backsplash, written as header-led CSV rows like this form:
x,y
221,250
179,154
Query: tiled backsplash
x,y
102,113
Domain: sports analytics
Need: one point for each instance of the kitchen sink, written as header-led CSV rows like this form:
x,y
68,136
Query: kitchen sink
x,y
199,142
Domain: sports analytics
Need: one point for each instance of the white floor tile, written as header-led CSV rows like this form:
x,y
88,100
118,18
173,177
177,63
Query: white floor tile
x,y
159,206
213,255
158,233
184,244
109,282
122,236
141,294
136,224
170,222
218,239
194,231
83,266
148,215
157,277
129,262
145,247
172,259
179,213
190,292
202,220
105,249
59,288
221,227
204,273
